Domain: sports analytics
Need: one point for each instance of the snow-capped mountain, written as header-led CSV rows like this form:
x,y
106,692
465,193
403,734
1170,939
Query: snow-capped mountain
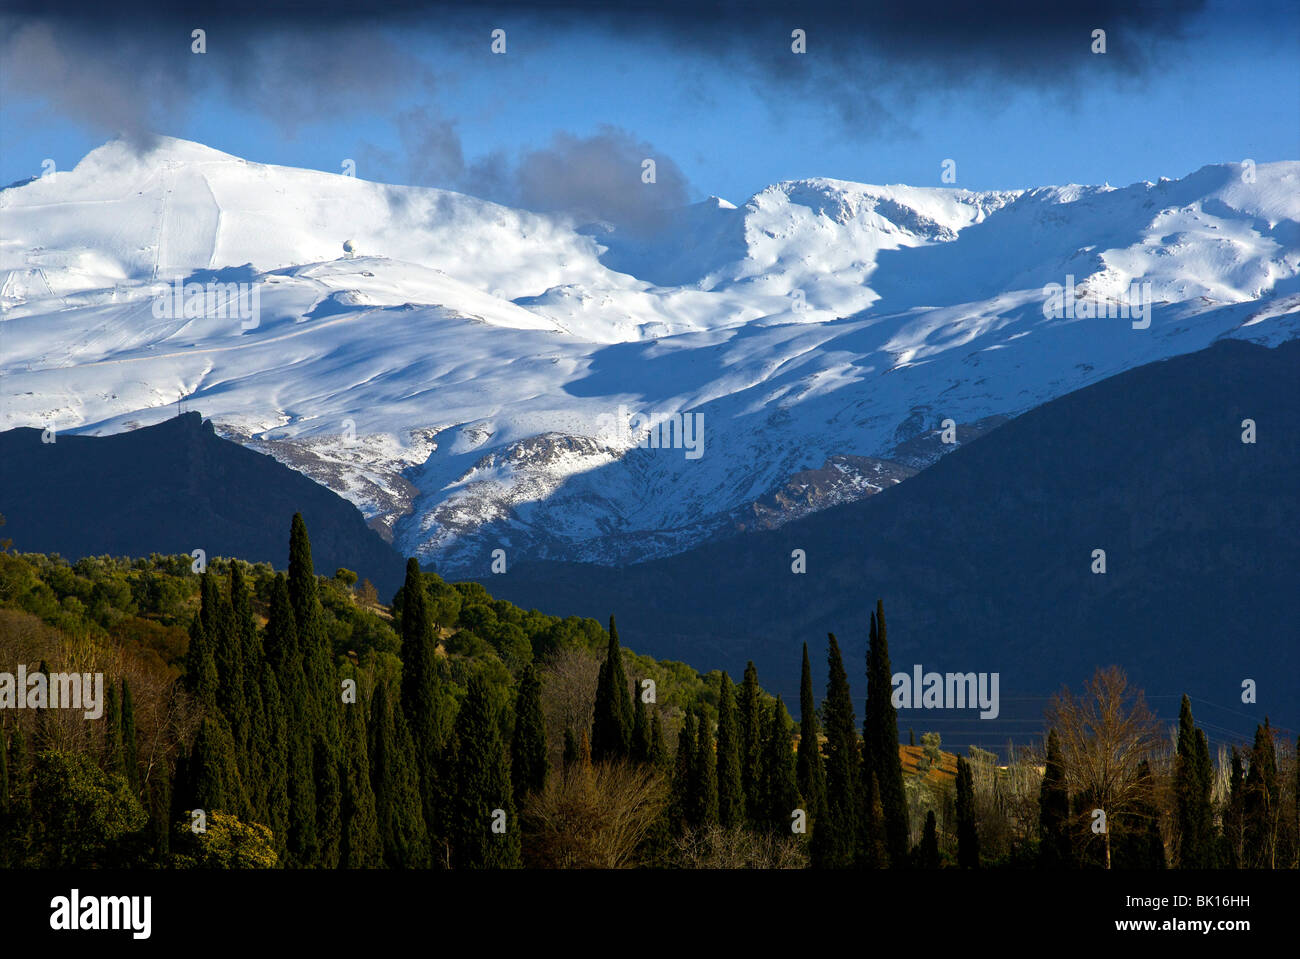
x,y
465,373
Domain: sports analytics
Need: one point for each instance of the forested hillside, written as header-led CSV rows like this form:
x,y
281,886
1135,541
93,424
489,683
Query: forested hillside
x,y
257,718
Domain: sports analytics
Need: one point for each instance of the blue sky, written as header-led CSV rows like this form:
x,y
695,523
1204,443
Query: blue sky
x,y
1230,90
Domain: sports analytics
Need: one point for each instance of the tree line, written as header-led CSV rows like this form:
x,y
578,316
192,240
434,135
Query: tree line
x,y
299,727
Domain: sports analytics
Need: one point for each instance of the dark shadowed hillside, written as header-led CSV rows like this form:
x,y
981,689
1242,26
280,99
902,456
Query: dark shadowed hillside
x,y
172,488
984,560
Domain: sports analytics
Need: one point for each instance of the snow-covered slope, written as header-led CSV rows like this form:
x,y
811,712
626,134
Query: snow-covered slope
x,y
459,375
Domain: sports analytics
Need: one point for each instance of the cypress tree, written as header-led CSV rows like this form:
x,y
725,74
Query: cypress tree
x,y
482,788
835,841
880,741
200,678
1054,850
281,642
20,792
272,750
1205,771
780,794
229,656
398,809
731,797
1262,798
640,749
611,727
213,776
329,800
322,700
1192,795
1139,843
705,778
751,734
130,739
658,749
160,813
968,840
303,842
284,654
683,774
528,747
420,694
112,731
253,737
1234,819
875,839
928,855
302,575
360,846
811,771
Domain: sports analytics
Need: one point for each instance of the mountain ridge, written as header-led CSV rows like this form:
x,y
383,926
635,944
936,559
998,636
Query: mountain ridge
x,y
456,373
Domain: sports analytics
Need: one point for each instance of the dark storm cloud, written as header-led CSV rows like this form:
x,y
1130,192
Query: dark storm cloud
x,y
127,67
596,178
857,52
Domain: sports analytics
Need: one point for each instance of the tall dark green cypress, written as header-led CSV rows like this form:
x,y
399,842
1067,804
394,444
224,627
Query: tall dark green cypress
x,y
232,694
811,771
658,748
880,742
323,700
360,846
302,576
200,679
1054,850
1234,819
611,726
284,654
213,782
874,851
680,806
1193,812
835,840
780,794
731,796
968,840
1138,844
272,751
483,794
113,731
1262,805
420,695
281,640
130,739
640,749
528,746
704,799
751,737
253,738
928,855
396,783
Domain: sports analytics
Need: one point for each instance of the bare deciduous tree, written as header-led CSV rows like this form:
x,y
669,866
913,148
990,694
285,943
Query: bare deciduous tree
x,y
1105,734
717,848
592,817
568,697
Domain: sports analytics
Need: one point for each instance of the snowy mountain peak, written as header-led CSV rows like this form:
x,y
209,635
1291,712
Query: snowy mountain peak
x,y
467,373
